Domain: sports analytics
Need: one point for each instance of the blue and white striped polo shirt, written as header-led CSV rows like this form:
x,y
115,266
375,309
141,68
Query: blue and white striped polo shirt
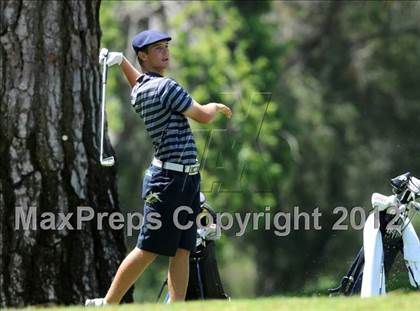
x,y
160,101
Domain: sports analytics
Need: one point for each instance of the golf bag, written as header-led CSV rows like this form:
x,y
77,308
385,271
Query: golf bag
x,y
351,283
204,278
381,245
204,281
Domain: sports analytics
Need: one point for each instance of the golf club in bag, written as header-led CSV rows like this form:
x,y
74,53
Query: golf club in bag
x,y
381,244
109,161
204,278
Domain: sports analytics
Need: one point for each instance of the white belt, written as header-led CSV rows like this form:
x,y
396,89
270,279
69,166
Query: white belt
x,y
190,169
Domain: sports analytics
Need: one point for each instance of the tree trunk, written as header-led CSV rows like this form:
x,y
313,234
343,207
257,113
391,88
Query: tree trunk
x,y
49,147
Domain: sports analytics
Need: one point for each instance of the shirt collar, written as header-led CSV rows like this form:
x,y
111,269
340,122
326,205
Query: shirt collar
x,y
146,75
153,74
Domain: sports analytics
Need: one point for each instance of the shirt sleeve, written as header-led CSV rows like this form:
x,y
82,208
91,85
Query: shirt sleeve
x,y
173,96
134,95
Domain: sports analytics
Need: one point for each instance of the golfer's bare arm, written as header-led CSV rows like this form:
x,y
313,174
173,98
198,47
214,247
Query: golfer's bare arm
x,y
130,72
200,113
206,113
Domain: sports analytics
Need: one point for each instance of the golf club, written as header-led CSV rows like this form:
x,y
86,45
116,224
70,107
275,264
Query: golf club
x,y
109,161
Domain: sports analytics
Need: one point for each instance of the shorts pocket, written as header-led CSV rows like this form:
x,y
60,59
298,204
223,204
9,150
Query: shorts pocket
x,y
157,187
145,186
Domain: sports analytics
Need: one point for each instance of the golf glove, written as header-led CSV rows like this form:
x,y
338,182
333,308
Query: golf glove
x,y
112,57
209,233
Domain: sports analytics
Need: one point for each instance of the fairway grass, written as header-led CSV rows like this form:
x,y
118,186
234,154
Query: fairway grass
x,y
394,301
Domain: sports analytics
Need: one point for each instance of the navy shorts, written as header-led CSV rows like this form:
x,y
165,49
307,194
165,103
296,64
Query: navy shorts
x,y
167,196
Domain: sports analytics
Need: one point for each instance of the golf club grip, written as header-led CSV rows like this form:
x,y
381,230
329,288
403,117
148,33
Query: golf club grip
x,y
105,74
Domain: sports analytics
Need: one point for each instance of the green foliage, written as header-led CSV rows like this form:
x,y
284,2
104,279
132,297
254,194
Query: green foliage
x,y
351,81
231,58
111,39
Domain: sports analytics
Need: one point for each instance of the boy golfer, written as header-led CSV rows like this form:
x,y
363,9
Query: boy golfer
x,y
173,179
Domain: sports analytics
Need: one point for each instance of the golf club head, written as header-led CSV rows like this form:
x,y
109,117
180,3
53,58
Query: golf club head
x,y
415,205
108,161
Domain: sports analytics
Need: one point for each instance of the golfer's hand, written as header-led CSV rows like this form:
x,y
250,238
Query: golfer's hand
x,y
112,58
225,110
209,233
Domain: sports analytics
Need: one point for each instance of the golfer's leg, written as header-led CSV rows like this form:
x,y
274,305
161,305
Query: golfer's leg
x,y
128,272
178,275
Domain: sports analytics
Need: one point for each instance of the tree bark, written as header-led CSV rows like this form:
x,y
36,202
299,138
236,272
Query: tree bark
x,y
49,147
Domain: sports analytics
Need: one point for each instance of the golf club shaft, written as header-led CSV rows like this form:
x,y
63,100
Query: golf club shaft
x,y
104,78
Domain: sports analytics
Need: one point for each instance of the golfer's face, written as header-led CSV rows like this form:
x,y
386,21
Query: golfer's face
x,y
158,55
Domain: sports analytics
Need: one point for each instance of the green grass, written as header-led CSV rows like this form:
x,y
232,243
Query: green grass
x,y
394,301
